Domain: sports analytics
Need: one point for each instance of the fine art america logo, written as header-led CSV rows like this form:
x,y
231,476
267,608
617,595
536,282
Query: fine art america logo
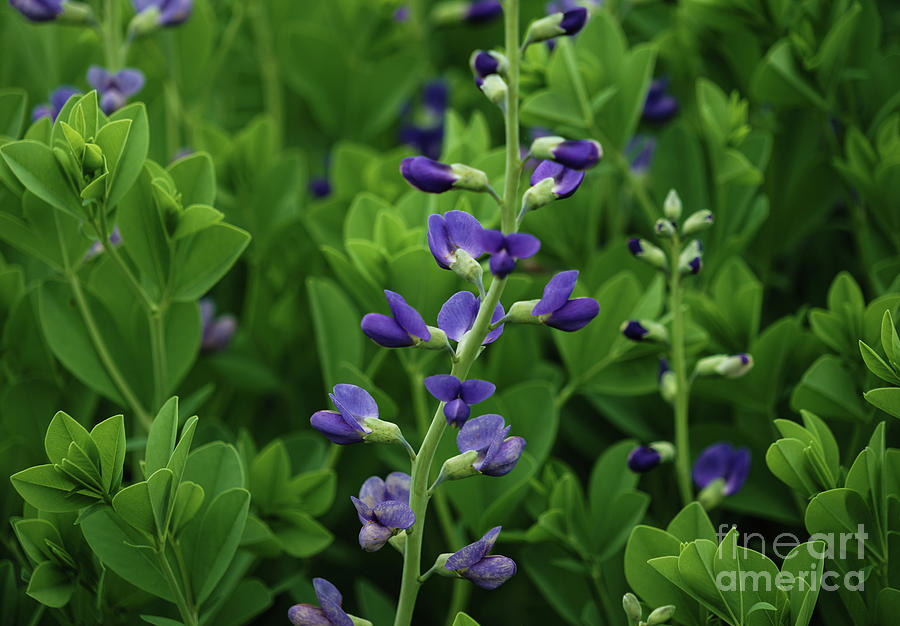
x,y
822,547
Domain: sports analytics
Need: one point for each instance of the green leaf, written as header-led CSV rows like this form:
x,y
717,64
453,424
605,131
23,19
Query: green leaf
x,y
269,474
216,467
805,560
300,535
12,112
250,598
203,258
885,398
112,139
130,160
691,523
178,459
316,490
218,538
133,505
161,439
35,535
62,431
196,218
786,459
36,167
607,480
195,178
336,325
462,619
828,390
161,491
109,437
47,489
50,585
188,500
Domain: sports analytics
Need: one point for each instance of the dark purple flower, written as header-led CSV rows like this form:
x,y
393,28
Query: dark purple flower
x,y
556,309
458,396
427,175
643,459
217,331
405,328
505,249
639,151
634,330
330,613
346,425
425,131
171,12
483,11
114,89
383,509
577,154
427,140
659,106
320,187
573,20
458,315
485,63
472,562
487,435
58,100
434,97
38,10
722,460
565,180
455,231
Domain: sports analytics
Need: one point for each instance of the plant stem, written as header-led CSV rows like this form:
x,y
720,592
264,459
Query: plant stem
x,y
513,158
679,366
268,64
188,613
158,355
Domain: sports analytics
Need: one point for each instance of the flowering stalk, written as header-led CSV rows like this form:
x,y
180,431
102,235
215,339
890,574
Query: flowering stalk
x,y
468,349
679,366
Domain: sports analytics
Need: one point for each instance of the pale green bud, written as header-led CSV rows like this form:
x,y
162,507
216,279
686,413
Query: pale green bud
x,y
382,432
661,615
93,157
691,259
467,268
542,147
664,228
730,366
665,449
632,607
438,340
672,206
697,222
76,13
470,178
459,466
712,494
144,23
668,386
545,28
520,312
646,251
494,87
539,195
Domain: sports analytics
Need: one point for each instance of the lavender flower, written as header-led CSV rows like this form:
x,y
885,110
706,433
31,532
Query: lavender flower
x,y
116,88
639,151
473,562
458,315
458,396
484,63
505,249
565,180
329,611
646,251
217,331
383,509
482,11
405,328
455,232
561,22
348,424
170,12
556,310
401,13
486,435
577,154
38,10
722,461
58,100
659,106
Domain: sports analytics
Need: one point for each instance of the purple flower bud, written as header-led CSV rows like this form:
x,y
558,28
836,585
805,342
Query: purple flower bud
x,y
38,10
695,264
58,100
484,64
427,175
483,11
634,330
634,246
643,459
456,230
722,460
659,106
565,180
458,315
114,89
573,20
487,435
405,328
401,14
472,562
330,602
556,310
346,425
434,97
171,12
458,396
428,141
639,151
320,187
578,154
217,331
505,249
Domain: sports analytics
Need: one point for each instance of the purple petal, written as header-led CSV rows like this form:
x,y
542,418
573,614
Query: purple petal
x,y
456,412
556,293
522,245
546,169
485,64
439,241
385,331
434,96
398,485
634,330
574,314
492,241
458,314
475,391
643,459
330,601
326,591
427,175
307,615
504,458
356,400
128,81
373,536
465,232
491,572
217,335
480,432
483,11
363,510
373,491
712,464
444,387
395,514
498,315
97,77
38,10
502,264
578,154
738,470
60,96
207,311
42,111
573,20
469,555
333,425
567,182
408,318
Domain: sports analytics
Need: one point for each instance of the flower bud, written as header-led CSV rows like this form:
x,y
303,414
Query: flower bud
x,y
732,366
521,312
494,87
74,138
438,340
577,154
664,228
469,178
672,206
691,259
668,382
382,432
459,466
632,607
567,23
373,536
144,23
645,330
711,495
93,157
646,251
539,195
484,63
76,14
469,270
661,615
697,222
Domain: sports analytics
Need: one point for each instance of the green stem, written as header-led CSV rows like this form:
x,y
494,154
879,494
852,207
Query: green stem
x,y
158,355
679,366
102,231
513,160
268,64
188,613
112,36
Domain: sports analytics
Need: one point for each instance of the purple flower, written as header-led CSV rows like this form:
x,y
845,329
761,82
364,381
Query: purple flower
x,y
458,396
38,10
722,461
58,100
472,562
639,151
427,175
577,154
573,20
427,140
483,11
217,331
659,106
565,180
487,435
426,133
405,328
346,425
485,63
115,88
383,509
401,14
505,249
330,613
115,238
555,308
171,12
458,315
455,231
320,187
634,330
643,459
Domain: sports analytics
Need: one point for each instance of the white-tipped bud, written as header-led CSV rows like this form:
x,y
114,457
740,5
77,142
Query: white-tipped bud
x,y
730,366
711,495
632,607
467,268
665,449
520,312
668,382
545,28
494,87
469,178
539,195
697,222
76,13
661,615
646,251
672,206
691,259
382,432
644,330
664,228
459,466
438,340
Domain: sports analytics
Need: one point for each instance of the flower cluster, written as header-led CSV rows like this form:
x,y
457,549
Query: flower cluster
x,y
114,89
383,509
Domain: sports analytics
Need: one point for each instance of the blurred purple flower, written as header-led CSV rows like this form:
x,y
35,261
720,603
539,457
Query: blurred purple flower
x,y
458,396
346,425
404,327
428,175
401,14
217,331
458,315
505,249
481,11
320,187
115,238
38,10
472,562
424,130
555,308
722,460
114,89
639,152
171,12
659,106
643,459
329,611
58,100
